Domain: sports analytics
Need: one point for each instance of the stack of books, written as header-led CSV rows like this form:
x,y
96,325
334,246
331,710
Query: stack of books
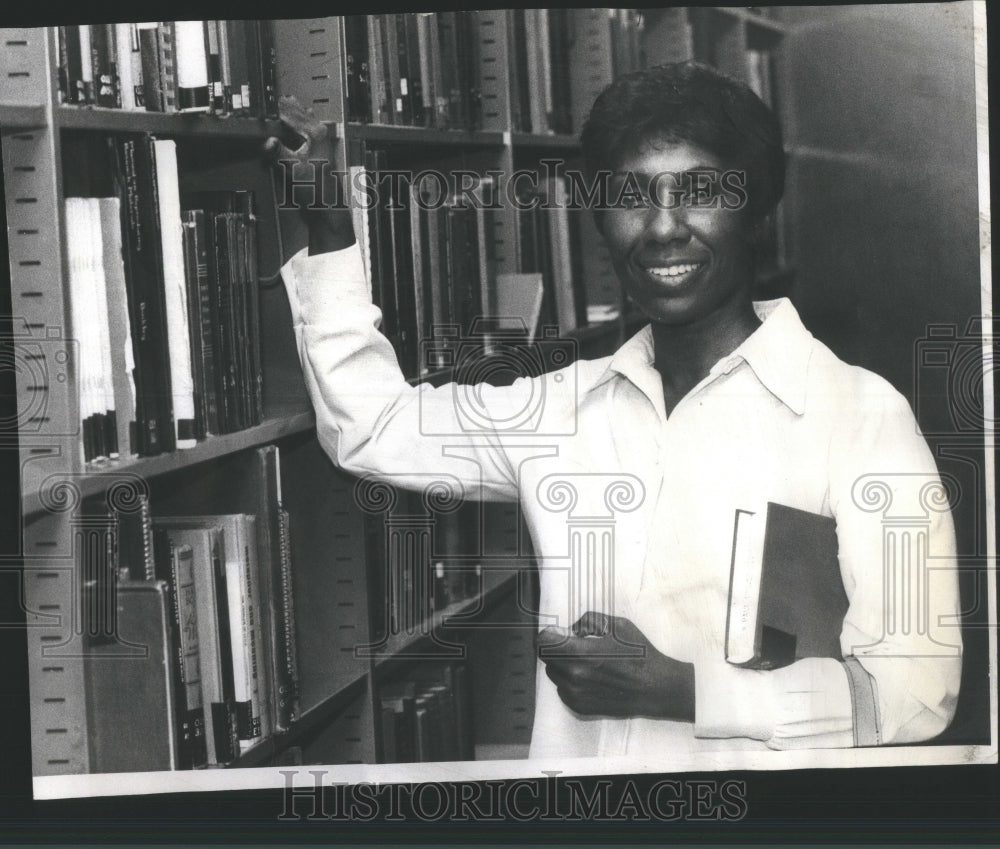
x,y
211,597
164,299
225,67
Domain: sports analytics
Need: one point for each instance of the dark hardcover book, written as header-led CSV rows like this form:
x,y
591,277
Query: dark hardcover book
x,y
390,64
467,32
451,63
174,565
380,232
786,594
439,100
74,65
239,99
134,553
255,66
268,69
576,265
201,321
102,51
416,70
131,701
559,30
403,277
358,94
213,57
149,57
381,110
466,293
225,246
62,66
135,185
403,61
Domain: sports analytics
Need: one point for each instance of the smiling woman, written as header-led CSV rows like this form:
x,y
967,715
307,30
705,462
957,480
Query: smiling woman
x,y
721,405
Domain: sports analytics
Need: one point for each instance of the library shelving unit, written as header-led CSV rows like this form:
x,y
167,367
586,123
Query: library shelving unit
x,y
44,145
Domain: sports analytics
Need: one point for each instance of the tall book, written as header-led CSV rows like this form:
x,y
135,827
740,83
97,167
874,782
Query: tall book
x,y
120,339
135,185
149,56
131,705
175,291
201,322
786,595
258,485
175,566
129,61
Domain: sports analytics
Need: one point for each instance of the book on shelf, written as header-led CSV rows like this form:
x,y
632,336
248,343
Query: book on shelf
x,y
131,702
89,303
175,567
786,595
171,66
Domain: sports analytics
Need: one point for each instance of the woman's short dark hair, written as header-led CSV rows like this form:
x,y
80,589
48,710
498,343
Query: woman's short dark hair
x,y
693,103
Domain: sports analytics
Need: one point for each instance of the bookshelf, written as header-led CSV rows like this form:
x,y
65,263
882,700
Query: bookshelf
x,y
47,146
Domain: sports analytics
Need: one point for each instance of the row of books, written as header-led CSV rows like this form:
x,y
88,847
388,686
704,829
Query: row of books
x,y
429,253
412,69
164,307
170,66
210,598
427,717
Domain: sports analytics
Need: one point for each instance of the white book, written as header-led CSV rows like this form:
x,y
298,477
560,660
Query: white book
x,y
129,63
95,259
192,66
119,325
175,289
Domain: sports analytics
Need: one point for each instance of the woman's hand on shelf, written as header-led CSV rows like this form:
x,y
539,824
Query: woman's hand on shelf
x,y
309,176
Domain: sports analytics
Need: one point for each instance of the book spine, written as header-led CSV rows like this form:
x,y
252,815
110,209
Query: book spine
x,y
451,85
390,58
268,69
259,689
222,299
213,62
239,69
62,66
251,35
358,93
167,51
103,62
127,58
406,77
255,364
174,565
191,61
225,66
175,291
289,704
149,53
201,296
246,697
86,90
224,714
380,110
120,336
74,65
